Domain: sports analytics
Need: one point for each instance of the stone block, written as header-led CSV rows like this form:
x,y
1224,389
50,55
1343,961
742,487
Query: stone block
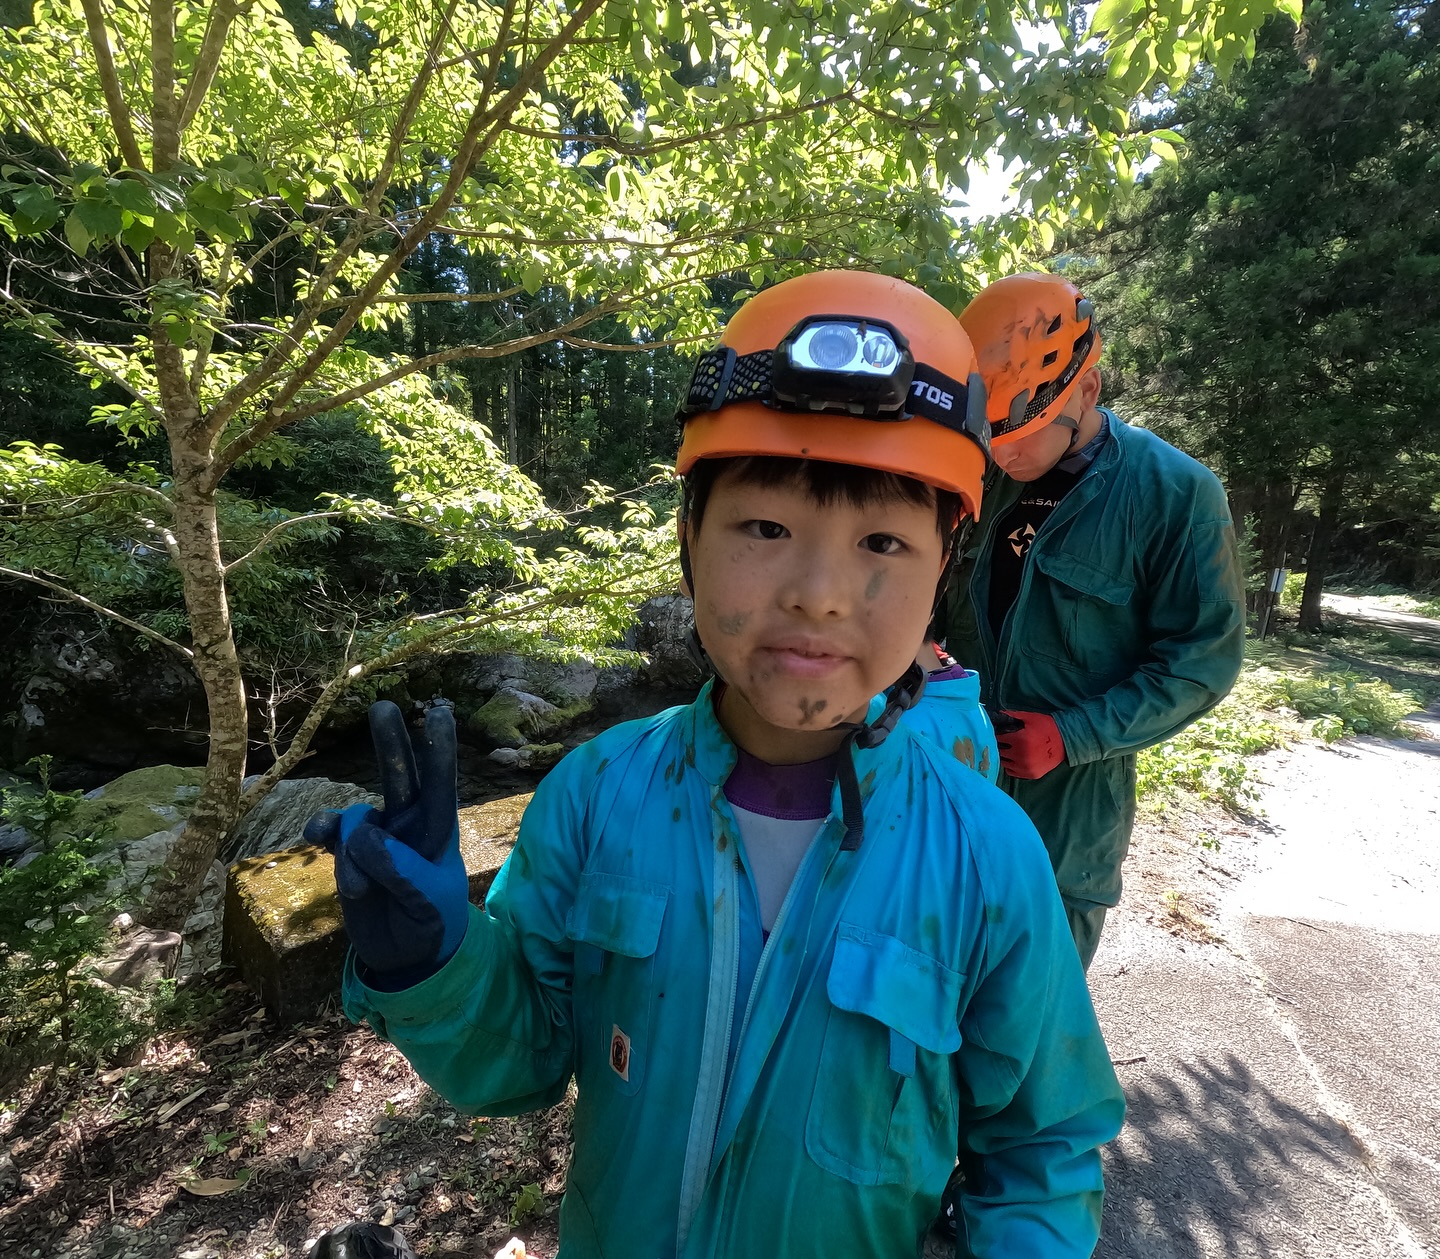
x,y
284,931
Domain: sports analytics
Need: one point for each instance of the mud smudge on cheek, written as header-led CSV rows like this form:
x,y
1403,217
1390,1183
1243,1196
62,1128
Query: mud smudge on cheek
x,y
875,585
811,709
732,625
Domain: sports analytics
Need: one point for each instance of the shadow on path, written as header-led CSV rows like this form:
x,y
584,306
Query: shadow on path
x,y
1209,1163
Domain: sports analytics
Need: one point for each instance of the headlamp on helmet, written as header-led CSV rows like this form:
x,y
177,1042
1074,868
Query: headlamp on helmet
x,y
838,363
844,367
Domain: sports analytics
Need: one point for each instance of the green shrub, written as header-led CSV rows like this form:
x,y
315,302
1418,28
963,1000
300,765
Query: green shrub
x,y
1294,589
1207,758
54,914
1359,705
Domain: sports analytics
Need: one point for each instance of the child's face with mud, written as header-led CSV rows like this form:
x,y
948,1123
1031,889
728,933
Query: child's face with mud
x,y
808,610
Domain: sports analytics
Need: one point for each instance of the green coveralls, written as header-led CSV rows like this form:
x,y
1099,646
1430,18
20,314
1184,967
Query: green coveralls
x,y
1128,624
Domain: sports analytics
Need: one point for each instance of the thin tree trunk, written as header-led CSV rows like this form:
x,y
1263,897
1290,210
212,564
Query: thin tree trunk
x,y
1272,530
195,550
512,411
217,662
1318,562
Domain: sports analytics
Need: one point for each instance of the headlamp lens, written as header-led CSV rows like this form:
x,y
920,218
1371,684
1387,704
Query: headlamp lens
x,y
880,351
840,346
831,347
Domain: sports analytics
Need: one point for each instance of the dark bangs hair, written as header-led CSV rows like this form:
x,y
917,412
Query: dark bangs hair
x,y
824,482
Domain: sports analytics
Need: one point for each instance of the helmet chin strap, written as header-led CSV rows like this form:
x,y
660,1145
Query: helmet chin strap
x,y
1065,421
900,697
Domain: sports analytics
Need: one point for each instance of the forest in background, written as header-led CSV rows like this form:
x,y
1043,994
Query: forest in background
x,y
1268,297
1271,299
1265,279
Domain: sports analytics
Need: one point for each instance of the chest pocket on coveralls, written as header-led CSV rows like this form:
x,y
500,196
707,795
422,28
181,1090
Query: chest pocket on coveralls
x,y
1087,602
615,924
884,1106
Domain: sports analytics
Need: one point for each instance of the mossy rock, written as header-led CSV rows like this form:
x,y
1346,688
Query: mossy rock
x,y
513,719
138,804
542,755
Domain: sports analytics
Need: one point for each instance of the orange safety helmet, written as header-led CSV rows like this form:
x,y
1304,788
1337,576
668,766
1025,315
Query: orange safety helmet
x,y
911,403
1035,335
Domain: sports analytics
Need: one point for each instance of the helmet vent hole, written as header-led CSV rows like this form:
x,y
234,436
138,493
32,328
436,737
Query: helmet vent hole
x,y
1055,326
1049,359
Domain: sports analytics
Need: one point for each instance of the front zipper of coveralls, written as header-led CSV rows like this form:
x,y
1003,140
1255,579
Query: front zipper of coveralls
x,y
767,950
690,1200
698,1158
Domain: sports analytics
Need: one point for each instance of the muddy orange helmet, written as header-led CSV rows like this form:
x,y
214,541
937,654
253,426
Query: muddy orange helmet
x,y
845,367
1035,336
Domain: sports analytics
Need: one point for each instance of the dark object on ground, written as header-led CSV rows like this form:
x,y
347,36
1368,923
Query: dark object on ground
x,y
9,1177
141,956
362,1241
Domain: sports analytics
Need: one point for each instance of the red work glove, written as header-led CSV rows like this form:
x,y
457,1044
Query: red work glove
x,y
1033,750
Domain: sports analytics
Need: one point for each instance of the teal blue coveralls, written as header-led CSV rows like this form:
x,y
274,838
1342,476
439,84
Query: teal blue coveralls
x,y
950,715
799,1095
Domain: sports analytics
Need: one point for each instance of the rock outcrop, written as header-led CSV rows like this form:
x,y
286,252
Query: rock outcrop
x,y
100,706
278,821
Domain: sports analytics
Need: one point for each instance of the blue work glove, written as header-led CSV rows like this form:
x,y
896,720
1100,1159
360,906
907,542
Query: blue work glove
x,y
401,879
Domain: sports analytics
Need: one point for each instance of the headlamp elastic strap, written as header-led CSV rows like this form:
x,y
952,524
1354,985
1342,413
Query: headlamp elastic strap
x,y
722,378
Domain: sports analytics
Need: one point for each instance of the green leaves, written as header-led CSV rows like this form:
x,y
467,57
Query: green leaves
x,y
36,209
646,170
1109,14
133,196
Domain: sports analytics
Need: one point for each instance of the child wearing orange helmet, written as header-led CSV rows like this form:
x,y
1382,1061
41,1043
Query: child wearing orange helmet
x,y
789,950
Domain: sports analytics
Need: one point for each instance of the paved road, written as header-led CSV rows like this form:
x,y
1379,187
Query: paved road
x,y
1284,1097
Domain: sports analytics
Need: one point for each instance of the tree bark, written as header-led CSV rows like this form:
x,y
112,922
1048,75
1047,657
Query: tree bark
x,y
512,412
1265,507
1273,511
217,808
195,550
1318,561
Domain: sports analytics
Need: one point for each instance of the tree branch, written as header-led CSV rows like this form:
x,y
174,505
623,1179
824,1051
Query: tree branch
x,y
631,148
631,347
472,144
115,104
270,424
504,295
270,535
338,685
400,129
620,239
251,383
217,29
77,348
75,504
98,607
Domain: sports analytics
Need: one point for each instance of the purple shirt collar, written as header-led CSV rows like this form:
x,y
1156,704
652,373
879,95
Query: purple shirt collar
x,y
791,793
